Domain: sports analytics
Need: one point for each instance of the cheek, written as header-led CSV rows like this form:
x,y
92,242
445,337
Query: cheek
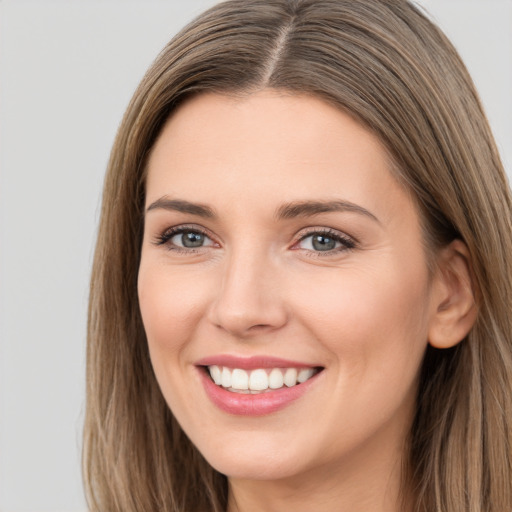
x,y
374,327
375,317
171,306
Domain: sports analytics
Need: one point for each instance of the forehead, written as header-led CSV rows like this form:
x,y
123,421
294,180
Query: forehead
x,y
272,145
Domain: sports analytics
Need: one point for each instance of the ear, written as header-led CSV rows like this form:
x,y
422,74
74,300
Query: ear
x,y
455,309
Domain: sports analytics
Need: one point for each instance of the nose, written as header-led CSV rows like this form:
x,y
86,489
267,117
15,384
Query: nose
x,y
250,300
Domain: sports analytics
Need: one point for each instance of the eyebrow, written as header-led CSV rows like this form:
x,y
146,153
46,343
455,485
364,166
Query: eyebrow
x,y
286,211
179,205
309,208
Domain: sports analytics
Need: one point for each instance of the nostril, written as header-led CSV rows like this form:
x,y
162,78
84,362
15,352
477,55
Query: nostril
x,y
241,320
260,327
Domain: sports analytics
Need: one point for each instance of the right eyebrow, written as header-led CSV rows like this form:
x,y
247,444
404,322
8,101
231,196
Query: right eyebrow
x,y
180,205
311,208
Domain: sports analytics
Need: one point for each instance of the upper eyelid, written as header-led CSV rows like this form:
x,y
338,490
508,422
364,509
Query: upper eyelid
x,y
163,237
312,230
299,236
187,227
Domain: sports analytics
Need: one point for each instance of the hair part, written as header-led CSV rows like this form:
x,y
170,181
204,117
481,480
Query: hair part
x,y
393,70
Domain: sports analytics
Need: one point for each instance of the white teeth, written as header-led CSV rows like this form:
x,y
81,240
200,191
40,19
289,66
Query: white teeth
x,y
260,380
216,375
290,377
305,374
226,378
239,379
275,379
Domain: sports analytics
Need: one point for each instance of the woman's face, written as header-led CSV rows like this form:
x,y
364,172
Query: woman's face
x,y
279,248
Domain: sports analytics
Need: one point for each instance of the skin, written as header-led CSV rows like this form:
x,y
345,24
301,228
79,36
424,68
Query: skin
x,y
258,287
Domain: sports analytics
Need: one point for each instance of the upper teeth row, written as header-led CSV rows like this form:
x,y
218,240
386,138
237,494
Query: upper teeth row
x,y
260,379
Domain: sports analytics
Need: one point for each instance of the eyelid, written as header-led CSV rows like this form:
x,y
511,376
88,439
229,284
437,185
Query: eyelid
x,y
348,242
164,237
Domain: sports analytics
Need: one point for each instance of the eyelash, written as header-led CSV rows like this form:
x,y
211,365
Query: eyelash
x,y
347,243
168,234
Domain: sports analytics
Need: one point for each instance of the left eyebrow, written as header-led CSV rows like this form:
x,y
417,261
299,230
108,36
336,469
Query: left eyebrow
x,y
179,205
309,208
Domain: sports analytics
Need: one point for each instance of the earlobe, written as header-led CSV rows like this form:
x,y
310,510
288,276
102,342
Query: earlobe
x,y
454,307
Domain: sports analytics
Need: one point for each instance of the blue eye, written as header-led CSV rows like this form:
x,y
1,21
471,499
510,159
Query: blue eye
x,y
325,241
189,239
182,238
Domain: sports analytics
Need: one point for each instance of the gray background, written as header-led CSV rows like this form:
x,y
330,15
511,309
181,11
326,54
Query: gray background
x,y
67,71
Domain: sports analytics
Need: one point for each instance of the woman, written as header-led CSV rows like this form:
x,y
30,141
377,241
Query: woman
x,y
301,291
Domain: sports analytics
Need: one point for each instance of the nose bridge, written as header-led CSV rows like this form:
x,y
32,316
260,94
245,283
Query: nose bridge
x,y
249,299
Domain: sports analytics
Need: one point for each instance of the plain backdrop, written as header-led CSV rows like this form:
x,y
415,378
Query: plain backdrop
x,y
67,71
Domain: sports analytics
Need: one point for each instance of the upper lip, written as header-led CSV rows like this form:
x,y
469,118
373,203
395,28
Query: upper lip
x,y
253,362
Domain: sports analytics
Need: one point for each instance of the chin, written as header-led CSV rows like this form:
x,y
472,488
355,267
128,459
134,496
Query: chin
x,y
257,459
262,468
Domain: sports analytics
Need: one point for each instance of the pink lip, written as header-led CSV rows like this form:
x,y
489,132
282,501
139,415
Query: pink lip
x,y
251,363
248,404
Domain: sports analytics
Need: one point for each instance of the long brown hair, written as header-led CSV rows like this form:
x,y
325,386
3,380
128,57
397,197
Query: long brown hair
x,y
387,65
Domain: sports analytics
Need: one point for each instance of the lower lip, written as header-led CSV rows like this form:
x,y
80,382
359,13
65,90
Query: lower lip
x,y
254,405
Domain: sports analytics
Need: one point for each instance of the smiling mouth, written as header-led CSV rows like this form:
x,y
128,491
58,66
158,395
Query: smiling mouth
x,y
259,380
